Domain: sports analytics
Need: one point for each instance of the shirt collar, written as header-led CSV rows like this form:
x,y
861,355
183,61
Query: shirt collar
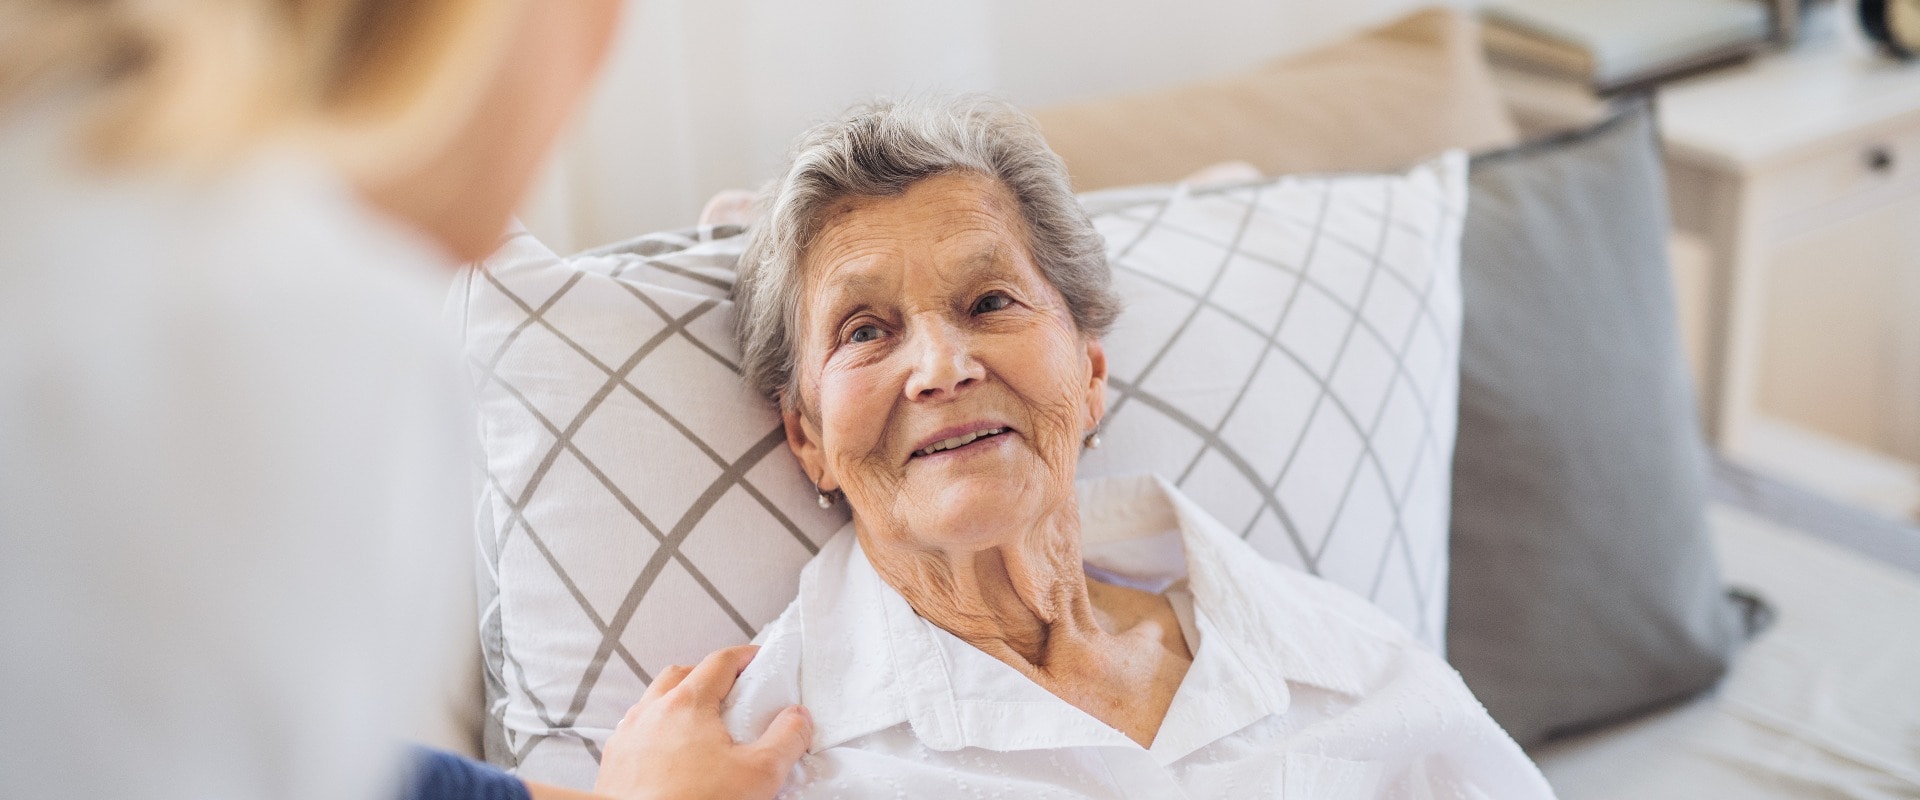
x,y
868,662
1276,618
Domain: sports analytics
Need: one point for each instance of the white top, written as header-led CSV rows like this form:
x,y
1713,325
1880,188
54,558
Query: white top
x,y
233,481
1298,688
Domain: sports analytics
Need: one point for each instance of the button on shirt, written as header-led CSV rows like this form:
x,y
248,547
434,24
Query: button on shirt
x,y
1298,688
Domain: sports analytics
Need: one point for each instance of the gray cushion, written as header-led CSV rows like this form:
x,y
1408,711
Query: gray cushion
x,y
1584,586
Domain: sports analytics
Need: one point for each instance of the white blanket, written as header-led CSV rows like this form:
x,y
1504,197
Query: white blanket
x,y
1826,703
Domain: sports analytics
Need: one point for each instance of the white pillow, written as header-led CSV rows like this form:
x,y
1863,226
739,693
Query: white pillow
x,y
639,505
641,509
1289,357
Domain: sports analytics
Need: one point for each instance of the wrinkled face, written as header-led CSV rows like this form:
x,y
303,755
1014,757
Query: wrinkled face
x,y
944,387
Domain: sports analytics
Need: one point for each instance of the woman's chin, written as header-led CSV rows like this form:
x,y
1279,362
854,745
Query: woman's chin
x,y
975,511
977,496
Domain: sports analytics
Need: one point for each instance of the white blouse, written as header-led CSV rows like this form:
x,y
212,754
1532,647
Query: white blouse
x,y
234,480
1298,688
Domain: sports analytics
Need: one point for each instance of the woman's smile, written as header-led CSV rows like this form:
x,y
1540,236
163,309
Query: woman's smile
x,y
971,439
996,446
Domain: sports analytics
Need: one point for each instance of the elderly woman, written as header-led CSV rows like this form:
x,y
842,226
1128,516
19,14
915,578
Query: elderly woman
x,y
925,300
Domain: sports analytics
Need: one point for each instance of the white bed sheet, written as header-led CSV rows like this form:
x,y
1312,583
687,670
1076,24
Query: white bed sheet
x,y
1825,704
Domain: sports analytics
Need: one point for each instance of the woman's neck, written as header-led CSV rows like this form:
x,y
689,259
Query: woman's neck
x,y
1115,653
1020,600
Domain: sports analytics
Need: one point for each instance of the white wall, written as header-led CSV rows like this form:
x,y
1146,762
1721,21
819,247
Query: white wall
x,y
701,95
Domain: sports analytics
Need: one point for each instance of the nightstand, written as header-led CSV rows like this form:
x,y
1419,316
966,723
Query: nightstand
x,y
1797,179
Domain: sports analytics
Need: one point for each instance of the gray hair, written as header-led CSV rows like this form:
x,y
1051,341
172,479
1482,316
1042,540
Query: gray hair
x,y
879,150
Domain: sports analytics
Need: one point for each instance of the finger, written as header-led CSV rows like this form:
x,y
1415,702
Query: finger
x,y
665,681
710,682
788,738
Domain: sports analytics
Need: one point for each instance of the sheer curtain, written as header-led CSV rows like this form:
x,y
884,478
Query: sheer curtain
x,y
703,95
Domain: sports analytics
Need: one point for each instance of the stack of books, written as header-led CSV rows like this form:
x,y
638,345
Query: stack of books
x,y
1567,57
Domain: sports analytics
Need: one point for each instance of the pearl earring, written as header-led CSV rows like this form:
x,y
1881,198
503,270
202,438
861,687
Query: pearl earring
x,y
824,500
1092,441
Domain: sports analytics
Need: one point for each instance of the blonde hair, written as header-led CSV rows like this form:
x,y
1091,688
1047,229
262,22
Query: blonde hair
x,y
372,84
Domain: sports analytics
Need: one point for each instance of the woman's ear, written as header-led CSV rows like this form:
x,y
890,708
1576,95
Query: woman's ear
x,y
1096,382
803,438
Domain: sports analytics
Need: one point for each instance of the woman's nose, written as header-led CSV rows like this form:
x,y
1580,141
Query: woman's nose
x,y
943,362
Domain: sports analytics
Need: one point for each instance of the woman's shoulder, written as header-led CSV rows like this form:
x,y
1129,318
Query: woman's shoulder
x,y
768,684
1333,600
273,220
1232,582
1305,596
772,681
1307,624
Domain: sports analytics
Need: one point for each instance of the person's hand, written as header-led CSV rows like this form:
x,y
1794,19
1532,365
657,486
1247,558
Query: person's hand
x,y
672,745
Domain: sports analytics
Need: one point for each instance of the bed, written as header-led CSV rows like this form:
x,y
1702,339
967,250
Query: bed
x,y
1823,703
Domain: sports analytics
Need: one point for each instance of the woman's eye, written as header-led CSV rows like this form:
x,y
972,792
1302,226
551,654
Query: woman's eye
x,y
863,334
992,302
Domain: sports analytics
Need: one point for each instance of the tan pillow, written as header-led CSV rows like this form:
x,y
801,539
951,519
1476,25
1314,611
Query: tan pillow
x,y
1383,100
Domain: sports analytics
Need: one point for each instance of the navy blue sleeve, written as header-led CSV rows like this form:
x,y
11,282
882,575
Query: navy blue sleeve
x,y
437,775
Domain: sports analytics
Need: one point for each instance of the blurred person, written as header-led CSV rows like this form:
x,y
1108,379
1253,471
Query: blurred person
x,y
234,510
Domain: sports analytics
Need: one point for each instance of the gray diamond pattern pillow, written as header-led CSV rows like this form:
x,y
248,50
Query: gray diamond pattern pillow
x,y
1287,356
639,505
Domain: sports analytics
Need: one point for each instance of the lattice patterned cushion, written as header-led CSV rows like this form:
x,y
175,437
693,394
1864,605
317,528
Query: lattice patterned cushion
x,y
639,505
1287,357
